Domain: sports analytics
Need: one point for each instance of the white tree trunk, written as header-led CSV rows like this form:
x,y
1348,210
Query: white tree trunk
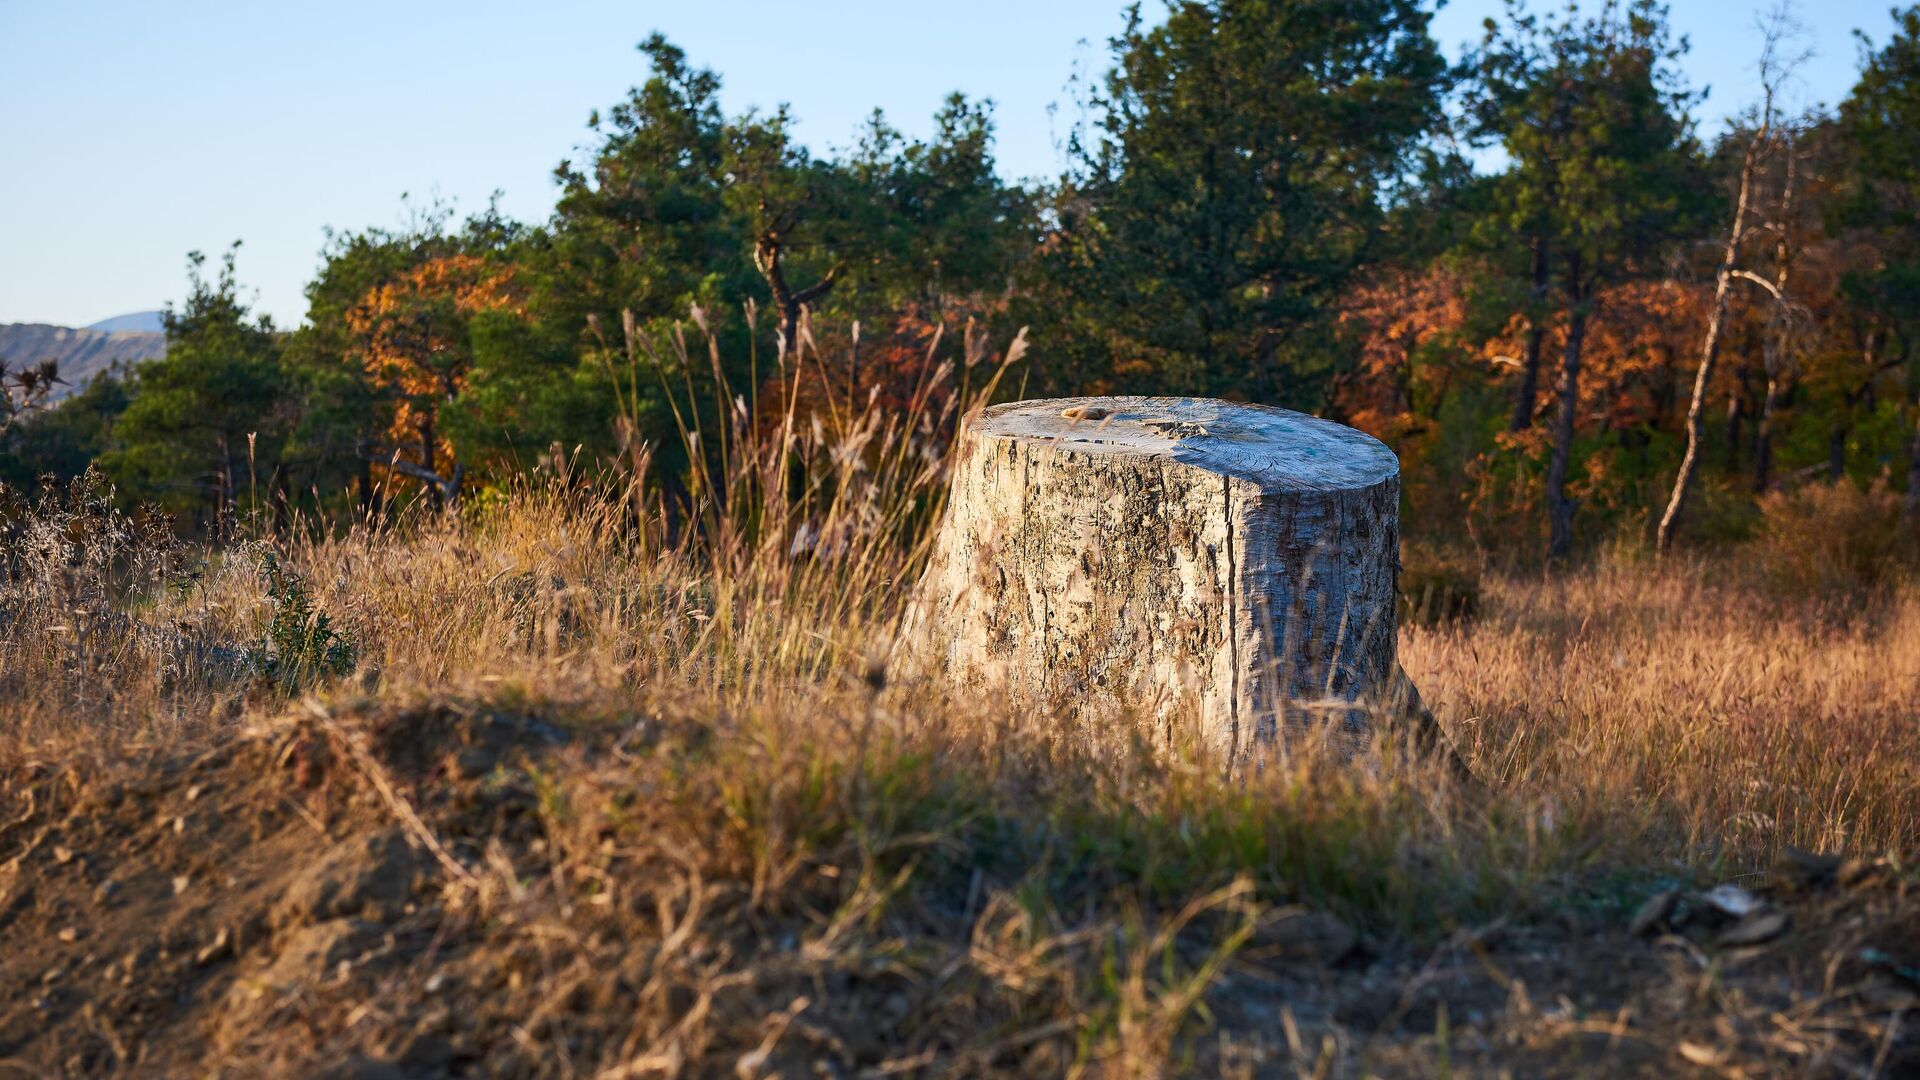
x,y
1232,563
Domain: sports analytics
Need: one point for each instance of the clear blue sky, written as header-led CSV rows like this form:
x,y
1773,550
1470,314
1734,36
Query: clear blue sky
x,y
133,132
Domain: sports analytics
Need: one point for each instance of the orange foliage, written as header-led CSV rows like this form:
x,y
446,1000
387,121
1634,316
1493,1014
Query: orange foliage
x,y
1390,316
1642,344
1412,349
412,332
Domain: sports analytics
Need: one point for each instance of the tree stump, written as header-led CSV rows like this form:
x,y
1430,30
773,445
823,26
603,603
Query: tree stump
x,y
1234,563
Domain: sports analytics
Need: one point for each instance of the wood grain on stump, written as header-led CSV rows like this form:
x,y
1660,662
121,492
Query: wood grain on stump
x,y
1232,563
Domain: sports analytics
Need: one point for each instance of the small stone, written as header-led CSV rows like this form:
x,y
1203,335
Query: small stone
x,y
69,934
1654,913
360,1068
62,855
1805,869
217,948
1732,901
1761,926
475,762
1704,1056
193,793
427,1053
52,976
180,884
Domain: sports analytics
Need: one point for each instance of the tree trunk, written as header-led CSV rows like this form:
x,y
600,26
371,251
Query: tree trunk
x,y
223,486
1737,415
427,440
1235,564
1913,462
1763,437
363,477
1559,506
1710,349
769,251
1529,388
1779,357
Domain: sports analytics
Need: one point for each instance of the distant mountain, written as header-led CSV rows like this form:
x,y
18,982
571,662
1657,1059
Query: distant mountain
x,y
80,354
141,322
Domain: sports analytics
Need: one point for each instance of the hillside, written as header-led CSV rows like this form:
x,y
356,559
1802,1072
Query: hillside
x,y
81,354
145,322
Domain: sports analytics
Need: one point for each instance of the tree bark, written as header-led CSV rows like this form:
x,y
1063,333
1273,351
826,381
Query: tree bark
x,y
1232,564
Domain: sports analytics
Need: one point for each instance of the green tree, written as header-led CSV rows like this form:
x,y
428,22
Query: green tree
x,y
803,220
1605,176
209,418
1877,125
944,226
643,226
62,439
679,205
1231,181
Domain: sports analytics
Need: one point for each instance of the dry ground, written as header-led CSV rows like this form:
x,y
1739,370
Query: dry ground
x,y
587,806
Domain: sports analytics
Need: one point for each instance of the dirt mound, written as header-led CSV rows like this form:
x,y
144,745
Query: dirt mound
x,y
195,904
454,889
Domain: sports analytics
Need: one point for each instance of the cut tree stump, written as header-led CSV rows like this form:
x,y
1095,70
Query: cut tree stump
x,y
1232,563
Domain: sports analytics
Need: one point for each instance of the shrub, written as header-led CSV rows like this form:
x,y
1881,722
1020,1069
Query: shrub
x,y
1437,588
1834,539
302,644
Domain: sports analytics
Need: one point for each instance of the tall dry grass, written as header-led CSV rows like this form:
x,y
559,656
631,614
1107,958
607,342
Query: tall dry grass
x,y
1689,707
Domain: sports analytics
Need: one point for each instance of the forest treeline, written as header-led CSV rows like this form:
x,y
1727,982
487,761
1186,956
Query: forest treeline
x,y
1526,271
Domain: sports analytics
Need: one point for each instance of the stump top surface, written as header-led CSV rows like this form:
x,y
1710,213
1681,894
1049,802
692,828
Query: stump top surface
x,y
1278,449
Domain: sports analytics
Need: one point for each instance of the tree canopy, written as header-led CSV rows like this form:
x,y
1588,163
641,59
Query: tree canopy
x,y
1502,266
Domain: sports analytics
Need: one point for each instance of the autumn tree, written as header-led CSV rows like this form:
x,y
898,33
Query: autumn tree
x,y
414,339
342,424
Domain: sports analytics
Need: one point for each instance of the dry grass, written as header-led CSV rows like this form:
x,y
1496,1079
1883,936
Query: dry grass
x,y
762,829
1688,712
